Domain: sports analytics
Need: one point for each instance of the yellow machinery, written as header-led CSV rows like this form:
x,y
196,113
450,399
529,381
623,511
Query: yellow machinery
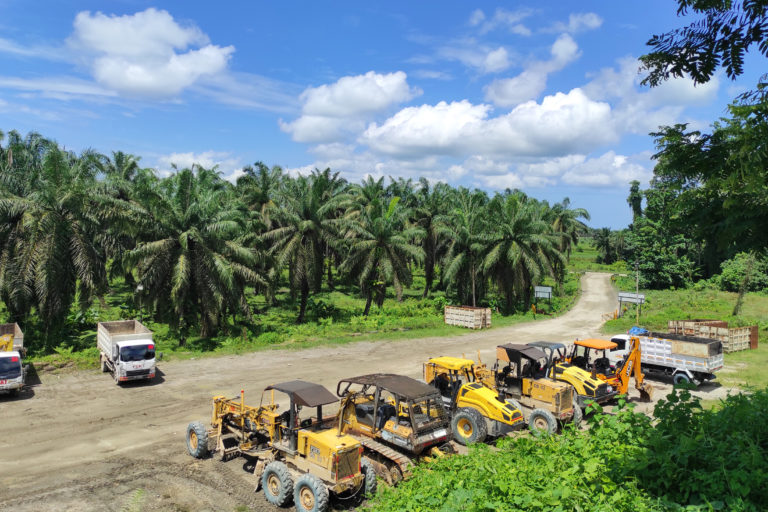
x,y
476,410
295,458
617,377
515,377
6,343
397,419
586,386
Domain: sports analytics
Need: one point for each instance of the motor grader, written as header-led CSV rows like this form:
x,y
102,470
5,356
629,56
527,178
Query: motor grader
x,y
517,376
397,419
616,376
295,458
587,387
477,412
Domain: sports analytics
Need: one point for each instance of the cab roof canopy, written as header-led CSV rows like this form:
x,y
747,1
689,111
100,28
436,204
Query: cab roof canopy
x,y
552,345
512,353
305,393
399,385
452,363
596,343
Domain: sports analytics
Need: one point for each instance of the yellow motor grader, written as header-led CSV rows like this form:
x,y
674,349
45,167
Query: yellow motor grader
x,y
397,419
297,458
477,412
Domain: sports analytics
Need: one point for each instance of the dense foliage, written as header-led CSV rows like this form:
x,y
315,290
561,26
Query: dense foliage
x,y
195,249
686,458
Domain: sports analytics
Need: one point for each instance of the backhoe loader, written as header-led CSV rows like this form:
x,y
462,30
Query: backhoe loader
x,y
294,459
477,412
618,376
397,419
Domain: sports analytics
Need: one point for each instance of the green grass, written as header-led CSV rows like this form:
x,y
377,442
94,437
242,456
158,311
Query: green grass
x,y
584,258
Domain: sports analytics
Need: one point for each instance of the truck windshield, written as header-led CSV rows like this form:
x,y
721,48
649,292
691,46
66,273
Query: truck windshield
x,y
10,368
137,353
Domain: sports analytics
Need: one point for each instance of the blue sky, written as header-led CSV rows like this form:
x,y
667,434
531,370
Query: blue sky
x,y
542,96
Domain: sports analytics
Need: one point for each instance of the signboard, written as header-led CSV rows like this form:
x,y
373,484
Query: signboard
x,y
632,298
542,292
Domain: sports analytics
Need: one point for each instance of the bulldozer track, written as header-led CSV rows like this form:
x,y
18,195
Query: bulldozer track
x,y
404,462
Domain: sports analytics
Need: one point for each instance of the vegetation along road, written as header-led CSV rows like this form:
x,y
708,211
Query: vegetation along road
x,y
83,443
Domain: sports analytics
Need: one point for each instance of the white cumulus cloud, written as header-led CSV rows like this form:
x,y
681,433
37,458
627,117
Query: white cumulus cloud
x,y
331,111
229,166
532,81
578,22
147,53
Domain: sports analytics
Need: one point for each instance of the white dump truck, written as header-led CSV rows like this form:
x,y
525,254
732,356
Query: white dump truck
x,y
13,371
682,358
127,350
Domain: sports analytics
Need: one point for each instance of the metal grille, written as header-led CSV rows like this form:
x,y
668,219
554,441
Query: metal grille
x,y
348,464
136,373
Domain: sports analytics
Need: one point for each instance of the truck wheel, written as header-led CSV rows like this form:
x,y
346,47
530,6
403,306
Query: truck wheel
x,y
681,378
310,494
14,392
197,440
469,426
578,414
277,483
541,420
369,482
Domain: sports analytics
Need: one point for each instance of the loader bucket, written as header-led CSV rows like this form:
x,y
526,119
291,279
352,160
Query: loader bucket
x,y
646,392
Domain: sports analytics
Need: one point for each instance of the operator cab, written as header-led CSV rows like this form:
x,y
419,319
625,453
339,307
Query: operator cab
x,y
515,363
301,394
583,351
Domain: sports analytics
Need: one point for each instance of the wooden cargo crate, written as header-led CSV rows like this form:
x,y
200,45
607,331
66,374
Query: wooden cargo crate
x,y
467,316
733,339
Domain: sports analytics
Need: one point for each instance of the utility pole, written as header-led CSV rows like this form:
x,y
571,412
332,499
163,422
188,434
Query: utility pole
x,y
637,291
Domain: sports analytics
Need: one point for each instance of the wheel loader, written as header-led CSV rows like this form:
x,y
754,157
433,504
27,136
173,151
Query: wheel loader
x,y
616,376
517,377
477,412
297,458
397,419
587,387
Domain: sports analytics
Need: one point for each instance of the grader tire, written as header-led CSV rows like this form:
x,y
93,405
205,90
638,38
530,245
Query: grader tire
x,y
369,482
197,440
469,426
310,494
543,421
277,483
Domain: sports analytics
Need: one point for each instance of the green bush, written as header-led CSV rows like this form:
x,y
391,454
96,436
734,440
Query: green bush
x,y
733,271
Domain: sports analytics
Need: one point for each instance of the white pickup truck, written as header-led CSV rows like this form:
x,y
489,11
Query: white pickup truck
x,y
127,350
13,371
683,358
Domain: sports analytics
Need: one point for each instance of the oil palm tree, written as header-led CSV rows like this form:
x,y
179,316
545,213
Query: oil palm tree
x,y
192,263
304,221
522,248
429,214
380,248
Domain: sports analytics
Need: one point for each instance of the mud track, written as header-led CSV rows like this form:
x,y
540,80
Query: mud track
x,y
79,442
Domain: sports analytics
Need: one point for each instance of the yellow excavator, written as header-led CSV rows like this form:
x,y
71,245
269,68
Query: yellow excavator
x,y
617,377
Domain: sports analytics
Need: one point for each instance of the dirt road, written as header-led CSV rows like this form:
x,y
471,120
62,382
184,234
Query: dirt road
x,y
78,442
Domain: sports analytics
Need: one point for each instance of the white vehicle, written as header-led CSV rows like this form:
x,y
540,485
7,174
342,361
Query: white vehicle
x,y
13,371
683,358
127,350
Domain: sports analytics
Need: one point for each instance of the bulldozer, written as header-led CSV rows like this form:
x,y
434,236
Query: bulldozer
x,y
517,377
587,387
295,458
618,377
397,419
477,412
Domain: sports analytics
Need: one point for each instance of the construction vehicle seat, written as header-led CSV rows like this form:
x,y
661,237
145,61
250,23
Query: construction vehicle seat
x,y
364,413
602,365
386,412
579,361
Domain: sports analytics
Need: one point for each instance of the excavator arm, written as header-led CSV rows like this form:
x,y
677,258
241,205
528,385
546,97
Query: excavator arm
x,y
631,367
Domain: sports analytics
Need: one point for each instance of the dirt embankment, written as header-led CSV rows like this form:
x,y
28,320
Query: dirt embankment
x,y
79,442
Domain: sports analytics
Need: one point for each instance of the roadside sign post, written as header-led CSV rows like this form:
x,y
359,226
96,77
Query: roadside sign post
x,y
632,298
542,292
